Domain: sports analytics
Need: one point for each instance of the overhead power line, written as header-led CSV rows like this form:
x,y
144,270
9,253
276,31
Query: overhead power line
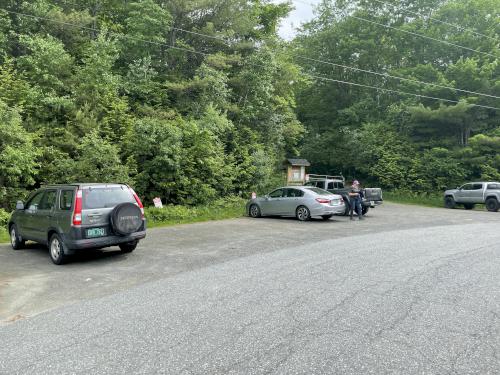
x,y
227,42
398,91
458,27
253,64
423,36
386,75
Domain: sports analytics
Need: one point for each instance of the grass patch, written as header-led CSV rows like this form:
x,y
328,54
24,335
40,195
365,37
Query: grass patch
x,y
227,208
420,199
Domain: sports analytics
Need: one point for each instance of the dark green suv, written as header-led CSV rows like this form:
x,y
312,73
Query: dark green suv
x,y
79,216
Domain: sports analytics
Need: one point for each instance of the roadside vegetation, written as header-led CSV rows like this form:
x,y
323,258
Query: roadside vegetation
x,y
196,101
177,214
421,199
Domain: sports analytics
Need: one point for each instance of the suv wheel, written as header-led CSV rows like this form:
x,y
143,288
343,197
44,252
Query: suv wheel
x,y
492,205
364,210
449,202
303,213
56,250
128,247
15,241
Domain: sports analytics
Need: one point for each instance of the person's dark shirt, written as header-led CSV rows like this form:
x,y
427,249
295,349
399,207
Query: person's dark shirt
x,y
355,192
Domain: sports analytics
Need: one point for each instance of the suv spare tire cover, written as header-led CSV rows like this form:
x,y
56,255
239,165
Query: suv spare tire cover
x,y
126,218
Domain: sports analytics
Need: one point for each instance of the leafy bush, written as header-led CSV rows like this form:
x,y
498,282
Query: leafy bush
x,y
4,218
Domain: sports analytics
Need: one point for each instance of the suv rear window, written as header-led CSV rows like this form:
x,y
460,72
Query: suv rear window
x,y
104,197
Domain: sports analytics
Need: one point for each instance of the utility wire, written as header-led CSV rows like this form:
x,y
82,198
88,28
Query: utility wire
x,y
458,27
410,32
397,91
254,64
422,36
385,74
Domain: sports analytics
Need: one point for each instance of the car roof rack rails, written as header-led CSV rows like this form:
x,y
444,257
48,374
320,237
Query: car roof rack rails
x,y
317,177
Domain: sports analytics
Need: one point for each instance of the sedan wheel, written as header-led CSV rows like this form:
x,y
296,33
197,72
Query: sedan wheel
x,y
303,213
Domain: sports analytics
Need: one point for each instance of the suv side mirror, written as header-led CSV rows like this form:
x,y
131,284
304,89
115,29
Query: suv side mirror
x,y
20,205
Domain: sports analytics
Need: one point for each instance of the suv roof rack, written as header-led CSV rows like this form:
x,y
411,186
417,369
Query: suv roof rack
x,y
318,177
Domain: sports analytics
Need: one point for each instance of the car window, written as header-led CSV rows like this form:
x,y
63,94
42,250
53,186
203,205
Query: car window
x,y
294,193
48,200
318,191
330,185
493,187
106,197
477,186
66,200
467,187
35,201
276,194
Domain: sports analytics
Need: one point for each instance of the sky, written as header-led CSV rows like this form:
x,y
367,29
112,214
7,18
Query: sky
x,y
303,12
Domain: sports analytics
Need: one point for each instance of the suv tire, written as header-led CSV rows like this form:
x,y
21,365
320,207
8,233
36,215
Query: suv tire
x,y
492,204
57,250
126,218
449,202
128,247
364,210
15,241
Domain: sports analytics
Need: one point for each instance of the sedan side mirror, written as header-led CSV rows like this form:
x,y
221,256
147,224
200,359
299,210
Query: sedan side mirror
x,y
20,205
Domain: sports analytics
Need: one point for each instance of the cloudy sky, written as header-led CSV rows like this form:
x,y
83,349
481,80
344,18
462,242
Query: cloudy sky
x,y
303,12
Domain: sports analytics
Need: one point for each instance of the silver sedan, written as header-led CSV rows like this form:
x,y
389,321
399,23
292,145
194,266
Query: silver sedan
x,y
303,202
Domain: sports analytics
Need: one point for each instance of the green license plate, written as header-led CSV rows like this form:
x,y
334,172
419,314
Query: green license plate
x,y
96,232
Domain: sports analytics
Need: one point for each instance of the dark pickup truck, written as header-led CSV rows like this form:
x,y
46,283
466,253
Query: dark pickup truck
x,y
372,197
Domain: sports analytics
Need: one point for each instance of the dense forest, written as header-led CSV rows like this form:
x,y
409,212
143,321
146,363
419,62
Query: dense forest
x,y
196,100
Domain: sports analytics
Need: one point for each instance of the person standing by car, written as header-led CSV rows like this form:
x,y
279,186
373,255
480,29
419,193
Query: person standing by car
x,y
355,196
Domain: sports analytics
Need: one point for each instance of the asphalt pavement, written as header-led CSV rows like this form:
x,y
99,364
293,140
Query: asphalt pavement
x,y
408,290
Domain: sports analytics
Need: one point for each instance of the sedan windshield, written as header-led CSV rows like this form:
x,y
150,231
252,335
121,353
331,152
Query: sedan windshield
x,y
318,191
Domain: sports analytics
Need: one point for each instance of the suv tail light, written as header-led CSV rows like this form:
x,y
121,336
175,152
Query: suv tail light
x,y
137,199
322,200
77,213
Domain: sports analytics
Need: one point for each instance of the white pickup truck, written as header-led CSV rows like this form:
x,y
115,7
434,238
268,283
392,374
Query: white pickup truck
x,y
472,193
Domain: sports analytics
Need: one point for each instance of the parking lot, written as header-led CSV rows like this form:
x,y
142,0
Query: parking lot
x,y
30,283
409,289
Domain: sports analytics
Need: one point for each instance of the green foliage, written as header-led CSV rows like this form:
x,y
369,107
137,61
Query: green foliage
x,y
18,157
119,97
395,140
4,218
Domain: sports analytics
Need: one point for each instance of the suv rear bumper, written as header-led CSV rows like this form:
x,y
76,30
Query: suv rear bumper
x,y
96,243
